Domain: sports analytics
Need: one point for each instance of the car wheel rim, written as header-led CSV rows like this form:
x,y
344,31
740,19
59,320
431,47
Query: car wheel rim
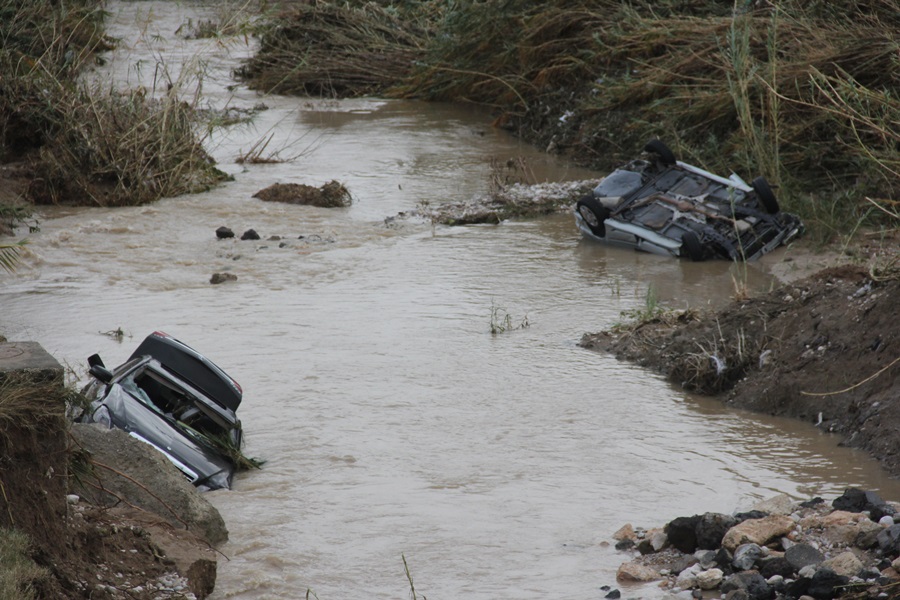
x,y
589,216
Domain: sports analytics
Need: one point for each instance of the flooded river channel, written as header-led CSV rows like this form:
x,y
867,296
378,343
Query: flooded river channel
x,y
393,422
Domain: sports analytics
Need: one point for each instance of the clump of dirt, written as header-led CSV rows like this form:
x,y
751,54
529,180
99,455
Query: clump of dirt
x,y
330,195
126,553
825,349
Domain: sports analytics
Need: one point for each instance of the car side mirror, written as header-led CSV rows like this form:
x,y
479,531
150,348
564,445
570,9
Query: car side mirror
x,y
94,360
101,373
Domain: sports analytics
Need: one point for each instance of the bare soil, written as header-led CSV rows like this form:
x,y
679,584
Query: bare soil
x,y
127,553
824,348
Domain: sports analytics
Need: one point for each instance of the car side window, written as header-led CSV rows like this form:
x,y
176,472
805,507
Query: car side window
x,y
132,387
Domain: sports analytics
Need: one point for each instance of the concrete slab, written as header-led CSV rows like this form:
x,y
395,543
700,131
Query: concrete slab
x,y
29,358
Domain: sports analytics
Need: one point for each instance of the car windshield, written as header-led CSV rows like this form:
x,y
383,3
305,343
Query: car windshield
x,y
164,396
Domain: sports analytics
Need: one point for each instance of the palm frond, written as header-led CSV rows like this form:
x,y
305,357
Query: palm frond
x,y
10,254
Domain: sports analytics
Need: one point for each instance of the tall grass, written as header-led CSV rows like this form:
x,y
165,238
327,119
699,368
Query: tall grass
x,y
118,149
803,93
27,404
85,144
18,572
340,49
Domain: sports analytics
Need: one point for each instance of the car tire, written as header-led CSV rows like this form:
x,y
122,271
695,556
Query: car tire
x,y
594,214
666,156
691,247
765,195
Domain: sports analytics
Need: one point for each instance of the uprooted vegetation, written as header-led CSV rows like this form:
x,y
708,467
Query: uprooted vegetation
x,y
339,49
802,93
82,143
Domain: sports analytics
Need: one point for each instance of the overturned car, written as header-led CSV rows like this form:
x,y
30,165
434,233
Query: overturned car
x,y
664,206
178,401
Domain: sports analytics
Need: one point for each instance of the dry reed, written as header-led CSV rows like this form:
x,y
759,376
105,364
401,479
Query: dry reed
x,y
334,50
84,144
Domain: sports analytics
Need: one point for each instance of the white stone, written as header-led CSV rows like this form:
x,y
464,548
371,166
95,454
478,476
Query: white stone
x,y
886,521
710,579
632,571
688,577
686,580
808,571
659,540
777,505
845,564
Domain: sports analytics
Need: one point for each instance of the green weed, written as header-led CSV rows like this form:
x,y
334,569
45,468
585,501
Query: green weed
x,y
501,321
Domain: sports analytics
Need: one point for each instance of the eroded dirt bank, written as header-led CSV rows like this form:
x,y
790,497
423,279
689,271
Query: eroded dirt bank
x,y
825,349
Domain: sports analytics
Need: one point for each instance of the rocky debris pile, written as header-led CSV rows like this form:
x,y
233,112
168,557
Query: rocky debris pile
x,y
778,550
303,243
516,200
226,233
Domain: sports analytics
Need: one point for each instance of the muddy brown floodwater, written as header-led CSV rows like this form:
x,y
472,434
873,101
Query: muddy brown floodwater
x,y
393,423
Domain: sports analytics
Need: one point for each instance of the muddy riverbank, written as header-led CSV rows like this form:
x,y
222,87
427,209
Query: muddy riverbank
x,y
823,349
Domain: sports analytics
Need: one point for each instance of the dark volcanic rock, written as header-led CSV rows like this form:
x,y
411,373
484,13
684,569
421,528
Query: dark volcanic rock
x,y
802,555
823,583
224,233
776,565
682,533
745,556
723,560
712,528
889,540
218,278
625,544
856,500
882,510
753,514
750,582
250,234
798,587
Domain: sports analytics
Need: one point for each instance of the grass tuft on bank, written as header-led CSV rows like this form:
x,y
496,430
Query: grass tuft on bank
x,y
81,143
26,404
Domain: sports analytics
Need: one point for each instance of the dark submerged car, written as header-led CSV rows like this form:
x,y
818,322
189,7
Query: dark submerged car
x,y
664,206
178,401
